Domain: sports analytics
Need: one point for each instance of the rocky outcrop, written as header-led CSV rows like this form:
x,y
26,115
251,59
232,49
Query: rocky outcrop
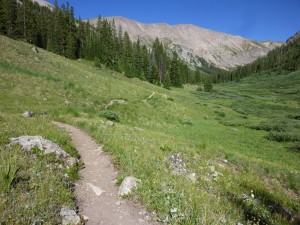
x,y
29,142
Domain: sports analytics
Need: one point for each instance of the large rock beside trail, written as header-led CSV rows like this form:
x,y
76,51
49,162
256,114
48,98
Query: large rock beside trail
x,y
29,142
127,185
69,216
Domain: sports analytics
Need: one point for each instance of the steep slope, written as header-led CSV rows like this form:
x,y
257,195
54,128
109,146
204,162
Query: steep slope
x,y
191,42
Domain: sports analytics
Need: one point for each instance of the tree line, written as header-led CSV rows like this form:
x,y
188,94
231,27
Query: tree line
x,y
58,31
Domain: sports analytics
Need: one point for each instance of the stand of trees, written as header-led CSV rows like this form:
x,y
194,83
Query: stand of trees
x,y
58,31
286,57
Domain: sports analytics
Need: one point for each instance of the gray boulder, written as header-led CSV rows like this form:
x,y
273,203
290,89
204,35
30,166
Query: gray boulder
x,y
110,123
35,49
69,216
127,185
28,114
29,142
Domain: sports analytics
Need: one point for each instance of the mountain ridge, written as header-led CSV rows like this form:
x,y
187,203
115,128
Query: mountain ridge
x,y
192,42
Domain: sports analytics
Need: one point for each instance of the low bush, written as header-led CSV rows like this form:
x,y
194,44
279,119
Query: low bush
x,y
199,88
186,122
109,115
283,136
220,114
296,147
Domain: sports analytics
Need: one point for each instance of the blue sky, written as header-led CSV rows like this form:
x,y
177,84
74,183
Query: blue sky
x,y
259,20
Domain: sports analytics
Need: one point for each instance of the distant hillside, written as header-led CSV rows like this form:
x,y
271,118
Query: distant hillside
x,y
192,42
286,57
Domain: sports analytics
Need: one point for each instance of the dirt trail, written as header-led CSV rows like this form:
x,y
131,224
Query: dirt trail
x,y
96,192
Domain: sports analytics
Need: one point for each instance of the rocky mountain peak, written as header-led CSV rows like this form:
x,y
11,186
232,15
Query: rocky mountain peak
x,y
192,42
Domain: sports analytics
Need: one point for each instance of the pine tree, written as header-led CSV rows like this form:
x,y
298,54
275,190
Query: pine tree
x,y
154,77
10,14
197,76
3,17
128,55
71,47
175,75
208,86
167,81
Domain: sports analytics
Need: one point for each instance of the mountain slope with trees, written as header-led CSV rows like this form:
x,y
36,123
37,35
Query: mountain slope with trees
x,y
56,29
284,58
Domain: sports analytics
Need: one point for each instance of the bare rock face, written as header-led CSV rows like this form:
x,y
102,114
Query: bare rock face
x,y
44,3
29,142
127,185
69,216
191,42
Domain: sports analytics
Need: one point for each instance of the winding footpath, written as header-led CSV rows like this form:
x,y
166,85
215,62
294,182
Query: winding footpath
x,y
95,191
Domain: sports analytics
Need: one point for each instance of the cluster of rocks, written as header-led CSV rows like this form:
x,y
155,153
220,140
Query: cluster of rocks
x,y
214,173
179,167
48,147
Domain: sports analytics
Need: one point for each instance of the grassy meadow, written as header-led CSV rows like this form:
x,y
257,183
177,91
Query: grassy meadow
x,y
247,131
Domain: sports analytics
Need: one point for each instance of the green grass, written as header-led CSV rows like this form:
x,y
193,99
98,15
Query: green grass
x,y
204,128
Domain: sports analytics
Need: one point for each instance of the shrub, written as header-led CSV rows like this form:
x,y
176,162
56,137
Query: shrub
x,y
170,99
208,86
283,136
297,147
199,88
186,122
220,114
98,63
109,115
165,148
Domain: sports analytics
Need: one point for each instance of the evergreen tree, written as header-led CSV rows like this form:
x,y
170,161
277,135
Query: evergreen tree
x,y
3,16
175,76
167,81
10,14
71,49
197,76
208,86
154,77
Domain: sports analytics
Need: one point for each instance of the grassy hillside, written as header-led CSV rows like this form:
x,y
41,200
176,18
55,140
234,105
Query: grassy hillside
x,y
240,175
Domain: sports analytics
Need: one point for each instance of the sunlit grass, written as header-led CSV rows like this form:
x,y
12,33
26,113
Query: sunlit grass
x,y
206,129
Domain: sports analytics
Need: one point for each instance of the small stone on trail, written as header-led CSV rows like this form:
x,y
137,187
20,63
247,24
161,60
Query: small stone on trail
x,y
28,114
98,191
69,216
127,185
